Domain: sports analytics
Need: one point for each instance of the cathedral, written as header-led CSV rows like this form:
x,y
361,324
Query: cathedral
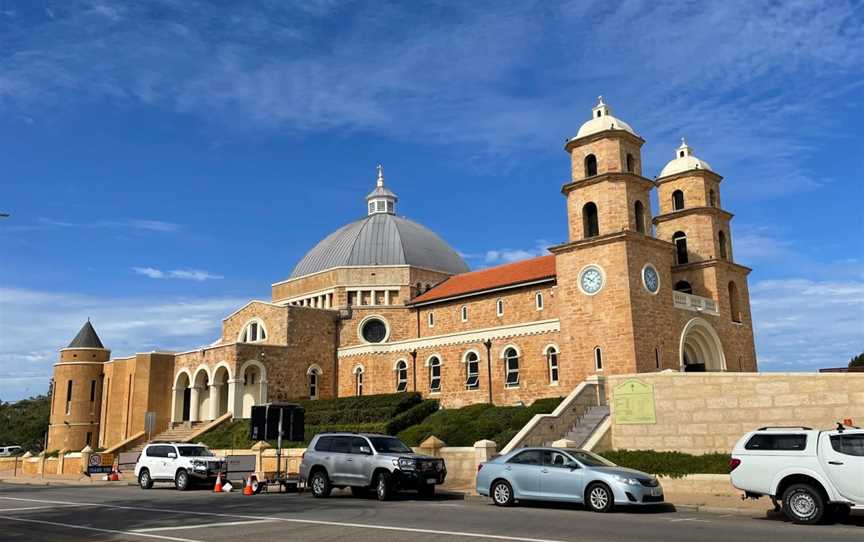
x,y
384,305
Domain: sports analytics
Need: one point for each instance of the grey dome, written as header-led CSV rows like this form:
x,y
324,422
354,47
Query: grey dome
x,y
381,239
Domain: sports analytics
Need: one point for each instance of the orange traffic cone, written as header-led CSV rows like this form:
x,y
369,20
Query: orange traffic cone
x,y
218,487
114,477
247,490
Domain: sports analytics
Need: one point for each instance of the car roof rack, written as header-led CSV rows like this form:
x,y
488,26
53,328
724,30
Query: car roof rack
x,y
767,427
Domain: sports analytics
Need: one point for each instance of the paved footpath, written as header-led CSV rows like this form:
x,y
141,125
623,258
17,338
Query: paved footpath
x,y
57,513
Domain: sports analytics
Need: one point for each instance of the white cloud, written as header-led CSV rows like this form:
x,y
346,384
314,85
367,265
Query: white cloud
x,y
43,223
507,255
182,274
34,325
802,324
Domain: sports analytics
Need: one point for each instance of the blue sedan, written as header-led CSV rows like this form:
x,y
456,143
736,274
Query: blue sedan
x,y
564,475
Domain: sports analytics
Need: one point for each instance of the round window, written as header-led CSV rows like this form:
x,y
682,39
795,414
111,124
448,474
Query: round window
x,y
374,330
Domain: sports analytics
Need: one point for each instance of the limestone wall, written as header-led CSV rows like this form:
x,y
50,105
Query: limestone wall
x,y
708,412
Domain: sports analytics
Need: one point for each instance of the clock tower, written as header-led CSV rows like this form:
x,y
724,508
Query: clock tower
x,y
611,264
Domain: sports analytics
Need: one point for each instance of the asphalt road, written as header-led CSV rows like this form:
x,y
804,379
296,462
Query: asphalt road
x,y
59,513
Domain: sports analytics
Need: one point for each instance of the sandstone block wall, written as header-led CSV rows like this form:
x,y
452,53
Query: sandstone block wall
x,y
708,412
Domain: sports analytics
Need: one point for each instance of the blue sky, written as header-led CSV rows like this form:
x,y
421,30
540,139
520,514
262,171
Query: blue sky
x,y
166,161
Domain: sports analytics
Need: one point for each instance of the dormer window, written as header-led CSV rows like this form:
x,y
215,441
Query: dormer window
x,y
253,332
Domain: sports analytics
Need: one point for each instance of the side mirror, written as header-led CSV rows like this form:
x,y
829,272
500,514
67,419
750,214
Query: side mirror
x,y
572,465
172,455
365,450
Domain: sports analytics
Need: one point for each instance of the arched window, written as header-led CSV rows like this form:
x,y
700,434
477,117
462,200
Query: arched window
x,y
499,307
734,302
598,359
721,240
677,200
314,375
552,364
639,212
630,163
590,165
511,368
253,332
434,374
680,240
464,312
712,198
472,371
590,224
538,301
358,380
401,375
684,287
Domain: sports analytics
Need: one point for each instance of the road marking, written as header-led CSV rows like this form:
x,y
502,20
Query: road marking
x,y
36,507
203,525
111,531
689,519
300,521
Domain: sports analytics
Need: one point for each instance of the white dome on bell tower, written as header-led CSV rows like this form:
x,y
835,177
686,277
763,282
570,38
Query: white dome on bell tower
x,y
684,160
601,120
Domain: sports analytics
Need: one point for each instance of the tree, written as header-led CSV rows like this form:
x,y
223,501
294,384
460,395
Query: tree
x,y
25,422
857,361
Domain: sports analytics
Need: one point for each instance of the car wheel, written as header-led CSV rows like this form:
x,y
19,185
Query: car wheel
x,y
502,493
803,504
320,484
360,492
144,479
181,480
427,490
383,487
599,498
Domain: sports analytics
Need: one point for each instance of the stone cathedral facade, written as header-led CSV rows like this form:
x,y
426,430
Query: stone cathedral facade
x,y
383,304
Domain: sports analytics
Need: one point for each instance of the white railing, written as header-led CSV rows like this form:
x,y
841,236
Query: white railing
x,y
692,302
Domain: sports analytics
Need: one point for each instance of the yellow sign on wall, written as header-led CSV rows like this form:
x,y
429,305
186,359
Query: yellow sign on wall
x,y
633,403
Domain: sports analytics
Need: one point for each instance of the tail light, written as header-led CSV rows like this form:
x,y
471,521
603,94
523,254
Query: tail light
x,y
733,463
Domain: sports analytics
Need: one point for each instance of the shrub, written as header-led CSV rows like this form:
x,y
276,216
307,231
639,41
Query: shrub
x,y
412,416
674,464
465,426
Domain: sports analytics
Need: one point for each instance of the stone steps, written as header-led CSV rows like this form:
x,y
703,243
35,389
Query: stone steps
x,y
582,431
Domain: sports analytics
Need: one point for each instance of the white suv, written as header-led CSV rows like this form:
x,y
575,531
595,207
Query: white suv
x,y
180,463
816,474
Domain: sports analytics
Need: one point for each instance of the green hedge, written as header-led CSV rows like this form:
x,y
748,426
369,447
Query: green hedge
x,y
674,464
369,414
465,426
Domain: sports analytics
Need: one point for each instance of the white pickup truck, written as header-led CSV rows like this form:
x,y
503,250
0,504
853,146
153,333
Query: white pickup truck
x,y
817,475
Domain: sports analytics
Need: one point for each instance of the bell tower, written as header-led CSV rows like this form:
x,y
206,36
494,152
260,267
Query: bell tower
x,y
606,193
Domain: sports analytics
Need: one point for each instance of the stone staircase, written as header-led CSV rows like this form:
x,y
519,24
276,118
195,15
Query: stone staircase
x,y
178,433
584,428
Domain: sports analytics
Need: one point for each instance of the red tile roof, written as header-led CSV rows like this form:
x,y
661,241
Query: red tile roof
x,y
510,274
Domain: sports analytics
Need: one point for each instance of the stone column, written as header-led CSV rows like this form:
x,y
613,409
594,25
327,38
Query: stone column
x,y
235,397
372,300
215,400
262,392
386,297
86,452
61,460
173,405
259,448
432,446
193,403
484,450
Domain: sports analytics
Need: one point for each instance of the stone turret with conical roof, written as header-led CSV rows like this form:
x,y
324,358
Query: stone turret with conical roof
x,y
76,397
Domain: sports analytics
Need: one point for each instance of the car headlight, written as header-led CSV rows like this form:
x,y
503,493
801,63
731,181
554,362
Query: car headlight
x,y
626,480
406,463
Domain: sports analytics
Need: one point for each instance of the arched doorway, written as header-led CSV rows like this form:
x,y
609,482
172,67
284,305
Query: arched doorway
x,y
219,391
200,397
701,349
182,398
253,387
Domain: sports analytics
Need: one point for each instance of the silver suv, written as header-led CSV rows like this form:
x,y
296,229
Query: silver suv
x,y
366,461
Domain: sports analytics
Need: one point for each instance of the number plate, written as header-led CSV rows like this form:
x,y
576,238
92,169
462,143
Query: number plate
x,y
431,480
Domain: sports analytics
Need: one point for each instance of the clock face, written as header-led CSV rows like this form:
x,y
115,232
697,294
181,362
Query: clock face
x,y
591,280
651,279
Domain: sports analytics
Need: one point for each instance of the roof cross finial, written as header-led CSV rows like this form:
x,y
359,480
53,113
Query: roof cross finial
x,y
600,100
380,175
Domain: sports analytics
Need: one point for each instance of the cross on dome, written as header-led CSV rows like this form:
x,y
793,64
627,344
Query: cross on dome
x,y
381,200
684,149
601,109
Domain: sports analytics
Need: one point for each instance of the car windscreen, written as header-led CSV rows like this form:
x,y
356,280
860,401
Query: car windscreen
x,y
194,451
591,460
385,445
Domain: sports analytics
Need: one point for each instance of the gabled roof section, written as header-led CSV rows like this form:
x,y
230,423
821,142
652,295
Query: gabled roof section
x,y
511,274
86,338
